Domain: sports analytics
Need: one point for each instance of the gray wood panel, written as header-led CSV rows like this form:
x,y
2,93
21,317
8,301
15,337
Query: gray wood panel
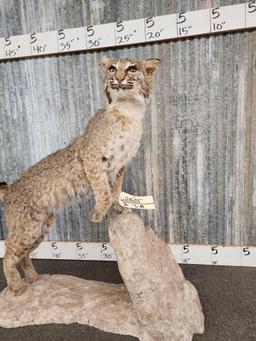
x,y
198,153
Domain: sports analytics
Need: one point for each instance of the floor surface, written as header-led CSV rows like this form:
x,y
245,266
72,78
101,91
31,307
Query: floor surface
x,y
228,296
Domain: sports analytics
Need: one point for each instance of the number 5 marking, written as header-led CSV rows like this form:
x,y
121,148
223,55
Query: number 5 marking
x,y
150,22
104,247
186,249
181,18
119,26
7,41
61,34
79,246
215,13
214,250
246,251
90,30
54,246
33,38
252,7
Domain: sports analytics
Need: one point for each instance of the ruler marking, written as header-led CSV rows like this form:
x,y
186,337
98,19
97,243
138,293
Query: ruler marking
x,y
183,253
158,28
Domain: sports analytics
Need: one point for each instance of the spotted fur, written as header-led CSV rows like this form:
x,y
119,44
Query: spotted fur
x,y
93,160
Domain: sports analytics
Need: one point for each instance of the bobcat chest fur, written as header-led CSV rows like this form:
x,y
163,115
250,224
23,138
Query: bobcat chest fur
x,y
123,147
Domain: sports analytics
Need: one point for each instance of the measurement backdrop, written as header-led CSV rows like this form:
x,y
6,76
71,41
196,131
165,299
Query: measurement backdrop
x,y
198,152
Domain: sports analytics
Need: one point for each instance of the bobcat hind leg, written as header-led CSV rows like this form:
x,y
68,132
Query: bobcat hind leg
x,y
31,275
11,259
26,263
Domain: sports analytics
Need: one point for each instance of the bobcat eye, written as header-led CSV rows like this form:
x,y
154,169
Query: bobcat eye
x,y
132,69
111,69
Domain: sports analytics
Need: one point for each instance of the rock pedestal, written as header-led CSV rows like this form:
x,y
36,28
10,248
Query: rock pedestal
x,y
155,304
166,305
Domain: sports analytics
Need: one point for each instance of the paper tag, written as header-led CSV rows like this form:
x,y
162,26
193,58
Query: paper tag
x,y
140,203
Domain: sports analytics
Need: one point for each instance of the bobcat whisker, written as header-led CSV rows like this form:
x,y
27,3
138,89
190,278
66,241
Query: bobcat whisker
x,y
127,86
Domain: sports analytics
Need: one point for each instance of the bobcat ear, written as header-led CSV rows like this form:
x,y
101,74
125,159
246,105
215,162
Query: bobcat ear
x,y
151,66
105,62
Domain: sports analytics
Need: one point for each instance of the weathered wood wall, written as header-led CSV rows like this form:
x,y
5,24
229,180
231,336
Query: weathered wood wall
x,y
198,154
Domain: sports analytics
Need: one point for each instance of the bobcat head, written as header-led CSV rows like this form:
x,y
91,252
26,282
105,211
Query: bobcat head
x,y
128,77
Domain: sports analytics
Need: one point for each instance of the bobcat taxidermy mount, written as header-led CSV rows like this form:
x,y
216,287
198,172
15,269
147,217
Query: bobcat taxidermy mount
x,y
96,159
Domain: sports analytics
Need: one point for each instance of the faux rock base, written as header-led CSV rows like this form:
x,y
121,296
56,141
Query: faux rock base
x,y
68,299
155,304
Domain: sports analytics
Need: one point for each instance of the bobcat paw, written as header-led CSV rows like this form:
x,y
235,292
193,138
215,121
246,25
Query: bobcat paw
x,y
120,209
31,277
17,290
96,216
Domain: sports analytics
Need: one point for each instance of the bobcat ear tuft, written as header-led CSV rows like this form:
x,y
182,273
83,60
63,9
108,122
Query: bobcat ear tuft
x,y
105,62
151,66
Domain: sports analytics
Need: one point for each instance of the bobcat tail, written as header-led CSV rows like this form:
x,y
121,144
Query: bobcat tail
x,y
3,189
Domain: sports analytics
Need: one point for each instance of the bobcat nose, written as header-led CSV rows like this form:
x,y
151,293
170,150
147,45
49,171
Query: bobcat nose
x,y
120,80
120,76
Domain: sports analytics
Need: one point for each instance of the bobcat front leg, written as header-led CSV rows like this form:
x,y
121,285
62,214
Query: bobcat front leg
x,y
117,186
101,189
116,190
